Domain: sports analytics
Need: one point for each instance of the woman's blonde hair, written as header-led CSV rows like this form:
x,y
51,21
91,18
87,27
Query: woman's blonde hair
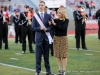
x,y
63,12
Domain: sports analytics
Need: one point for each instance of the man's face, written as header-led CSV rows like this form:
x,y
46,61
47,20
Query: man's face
x,y
42,6
26,9
17,13
79,9
2,8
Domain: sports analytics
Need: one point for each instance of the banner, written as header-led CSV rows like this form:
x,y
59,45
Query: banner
x,y
55,3
92,24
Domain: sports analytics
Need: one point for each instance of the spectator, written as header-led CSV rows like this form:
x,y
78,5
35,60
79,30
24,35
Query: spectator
x,y
19,7
9,0
87,5
15,7
94,16
90,14
81,2
92,5
10,9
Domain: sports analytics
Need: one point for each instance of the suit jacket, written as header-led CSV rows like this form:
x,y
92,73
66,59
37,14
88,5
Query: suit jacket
x,y
40,34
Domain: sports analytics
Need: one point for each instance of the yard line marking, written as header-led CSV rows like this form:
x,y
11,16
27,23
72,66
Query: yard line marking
x,y
84,50
18,53
13,58
20,67
89,54
96,51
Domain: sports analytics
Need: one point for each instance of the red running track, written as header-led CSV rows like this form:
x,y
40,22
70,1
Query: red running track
x,y
87,31
71,32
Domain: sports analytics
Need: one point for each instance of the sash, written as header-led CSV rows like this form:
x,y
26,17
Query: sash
x,y
42,25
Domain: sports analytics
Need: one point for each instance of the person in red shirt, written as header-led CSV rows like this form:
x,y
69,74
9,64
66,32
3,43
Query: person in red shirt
x,y
5,26
92,5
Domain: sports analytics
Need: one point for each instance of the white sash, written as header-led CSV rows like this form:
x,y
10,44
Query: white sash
x,y
42,25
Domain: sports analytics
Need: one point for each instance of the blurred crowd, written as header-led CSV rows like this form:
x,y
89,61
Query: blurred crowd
x,y
89,6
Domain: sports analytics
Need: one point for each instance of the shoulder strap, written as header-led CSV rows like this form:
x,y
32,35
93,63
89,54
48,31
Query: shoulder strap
x,y
39,20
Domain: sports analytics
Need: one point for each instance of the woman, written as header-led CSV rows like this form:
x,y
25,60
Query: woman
x,y
60,40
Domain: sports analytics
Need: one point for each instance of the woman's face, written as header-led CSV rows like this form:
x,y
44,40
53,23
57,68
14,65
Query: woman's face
x,y
59,15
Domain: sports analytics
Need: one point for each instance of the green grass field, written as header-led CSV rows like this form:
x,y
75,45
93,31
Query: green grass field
x,y
79,62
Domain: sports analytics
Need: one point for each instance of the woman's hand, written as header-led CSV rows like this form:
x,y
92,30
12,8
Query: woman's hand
x,y
49,22
53,22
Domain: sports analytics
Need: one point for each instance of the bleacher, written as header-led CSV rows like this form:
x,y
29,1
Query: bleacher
x,y
18,2
71,8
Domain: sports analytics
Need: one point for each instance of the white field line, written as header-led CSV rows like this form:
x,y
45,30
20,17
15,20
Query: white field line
x,y
45,72
14,59
84,50
88,54
20,67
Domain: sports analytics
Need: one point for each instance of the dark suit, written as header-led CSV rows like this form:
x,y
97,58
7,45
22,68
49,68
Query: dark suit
x,y
79,29
42,43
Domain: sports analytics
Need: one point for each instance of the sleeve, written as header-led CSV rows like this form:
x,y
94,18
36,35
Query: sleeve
x,y
34,26
23,19
50,27
63,26
97,14
77,15
14,19
1,16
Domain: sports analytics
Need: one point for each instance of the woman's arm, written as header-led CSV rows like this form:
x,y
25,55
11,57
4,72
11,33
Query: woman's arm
x,y
63,26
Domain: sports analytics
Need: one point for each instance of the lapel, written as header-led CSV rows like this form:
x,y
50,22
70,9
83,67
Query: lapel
x,y
39,16
44,17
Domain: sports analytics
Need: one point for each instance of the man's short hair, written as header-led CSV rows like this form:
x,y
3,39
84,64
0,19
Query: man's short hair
x,y
42,2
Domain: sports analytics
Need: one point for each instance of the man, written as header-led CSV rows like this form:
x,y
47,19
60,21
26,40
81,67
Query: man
x,y
1,27
41,40
26,30
80,27
98,17
16,20
5,26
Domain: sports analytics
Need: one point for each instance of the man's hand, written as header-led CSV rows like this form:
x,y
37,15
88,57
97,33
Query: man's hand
x,y
43,28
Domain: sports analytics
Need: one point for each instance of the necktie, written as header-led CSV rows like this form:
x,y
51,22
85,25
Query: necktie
x,y
42,17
